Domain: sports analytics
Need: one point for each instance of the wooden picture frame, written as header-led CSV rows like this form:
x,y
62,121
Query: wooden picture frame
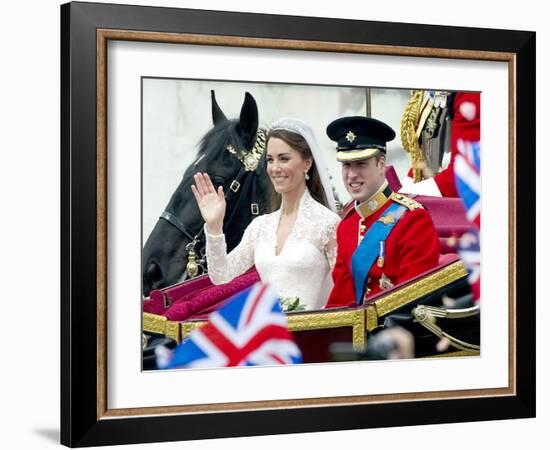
x,y
86,418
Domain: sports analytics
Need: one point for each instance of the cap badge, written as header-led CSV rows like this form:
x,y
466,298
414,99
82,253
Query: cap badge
x,y
350,136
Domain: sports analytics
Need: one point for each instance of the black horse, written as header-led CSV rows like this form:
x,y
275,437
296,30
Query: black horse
x,y
233,155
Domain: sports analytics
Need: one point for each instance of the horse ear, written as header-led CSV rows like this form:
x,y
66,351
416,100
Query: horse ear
x,y
217,114
248,121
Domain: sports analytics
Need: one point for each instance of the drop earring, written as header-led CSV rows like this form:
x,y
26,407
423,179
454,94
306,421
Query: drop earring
x,y
307,176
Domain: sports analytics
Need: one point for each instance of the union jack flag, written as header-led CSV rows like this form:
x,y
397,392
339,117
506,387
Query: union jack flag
x,y
467,178
249,330
469,252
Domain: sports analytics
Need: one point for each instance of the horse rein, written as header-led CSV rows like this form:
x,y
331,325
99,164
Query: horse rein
x,y
173,220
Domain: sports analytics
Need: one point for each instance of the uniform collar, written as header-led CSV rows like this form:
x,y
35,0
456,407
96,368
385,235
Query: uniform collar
x,y
375,202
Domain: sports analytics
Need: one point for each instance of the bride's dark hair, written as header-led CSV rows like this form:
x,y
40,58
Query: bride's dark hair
x,y
298,143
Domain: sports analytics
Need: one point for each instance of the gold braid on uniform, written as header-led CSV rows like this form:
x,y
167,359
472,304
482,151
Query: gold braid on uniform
x,y
408,133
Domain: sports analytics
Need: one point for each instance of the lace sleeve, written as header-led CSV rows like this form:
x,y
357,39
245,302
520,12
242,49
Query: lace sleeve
x,y
328,241
222,267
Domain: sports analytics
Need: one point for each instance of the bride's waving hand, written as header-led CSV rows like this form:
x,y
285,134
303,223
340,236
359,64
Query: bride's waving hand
x,y
211,202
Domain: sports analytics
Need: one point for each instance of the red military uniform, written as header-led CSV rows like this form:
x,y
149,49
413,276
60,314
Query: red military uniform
x,y
411,248
465,126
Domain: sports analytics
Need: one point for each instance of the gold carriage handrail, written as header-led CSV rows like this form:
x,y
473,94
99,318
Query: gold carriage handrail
x,y
427,316
448,313
418,288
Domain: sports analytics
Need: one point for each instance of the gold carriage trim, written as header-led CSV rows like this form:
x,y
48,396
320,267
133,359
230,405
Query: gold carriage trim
x,y
173,330
328,319
188,327
425,286
312,321
371,318
154,323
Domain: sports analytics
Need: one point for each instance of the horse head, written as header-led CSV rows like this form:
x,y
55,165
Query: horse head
x,y
233,155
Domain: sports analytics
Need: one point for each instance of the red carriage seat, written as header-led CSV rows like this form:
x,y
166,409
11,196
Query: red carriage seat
x,y
199,295
447,213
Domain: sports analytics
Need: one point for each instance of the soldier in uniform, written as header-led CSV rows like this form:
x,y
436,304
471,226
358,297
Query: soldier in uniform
x,y
420,136
384,238
426,131
465,126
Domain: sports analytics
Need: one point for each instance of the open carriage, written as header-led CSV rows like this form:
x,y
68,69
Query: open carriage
x,y
417,304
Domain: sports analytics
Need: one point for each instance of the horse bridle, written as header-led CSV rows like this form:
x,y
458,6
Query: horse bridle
x,y
249,161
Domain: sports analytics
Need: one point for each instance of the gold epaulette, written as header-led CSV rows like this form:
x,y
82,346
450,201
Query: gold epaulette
x,y
405,201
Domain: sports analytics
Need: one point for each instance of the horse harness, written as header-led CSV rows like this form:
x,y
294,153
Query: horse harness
x,y
250,162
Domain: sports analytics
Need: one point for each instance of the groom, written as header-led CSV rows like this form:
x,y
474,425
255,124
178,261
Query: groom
x,y
384,238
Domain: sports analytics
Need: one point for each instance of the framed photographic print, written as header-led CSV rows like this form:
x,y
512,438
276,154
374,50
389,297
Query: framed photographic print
x,y
148,98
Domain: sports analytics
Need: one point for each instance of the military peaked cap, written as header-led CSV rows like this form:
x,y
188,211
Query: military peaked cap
x,y
359,137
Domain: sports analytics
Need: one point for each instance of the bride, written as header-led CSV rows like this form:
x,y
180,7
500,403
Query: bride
x,y
293,248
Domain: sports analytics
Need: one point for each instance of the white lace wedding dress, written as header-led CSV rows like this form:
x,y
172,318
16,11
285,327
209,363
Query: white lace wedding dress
x,y
303,266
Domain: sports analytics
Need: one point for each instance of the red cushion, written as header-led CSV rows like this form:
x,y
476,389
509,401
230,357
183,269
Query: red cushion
x,y
187,287
209,297
156,301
